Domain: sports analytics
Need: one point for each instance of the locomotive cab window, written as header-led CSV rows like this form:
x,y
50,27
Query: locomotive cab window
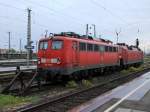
x,y
114,49
96,48
106,48
110,49
101,48
43,45
90,47
82,46
57,44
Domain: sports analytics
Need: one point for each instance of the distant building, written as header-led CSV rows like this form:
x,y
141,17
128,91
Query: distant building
x,y
3,51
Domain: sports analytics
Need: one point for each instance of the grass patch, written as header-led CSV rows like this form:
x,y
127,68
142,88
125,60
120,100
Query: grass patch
x,y
11,101
133,69
124,72
87,83
140,68
71,84
147,58
95,79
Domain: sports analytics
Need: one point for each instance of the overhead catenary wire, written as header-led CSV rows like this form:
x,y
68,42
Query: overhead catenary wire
x,y
19,9
19,20
54,11
10,6
108,11
8,18
126,24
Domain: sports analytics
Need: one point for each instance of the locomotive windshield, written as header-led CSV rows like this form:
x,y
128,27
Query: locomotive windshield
x,y
43,45
57,44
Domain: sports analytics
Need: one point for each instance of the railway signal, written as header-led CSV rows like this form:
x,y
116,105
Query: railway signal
x,y
94,30
137,42
117,33
89,32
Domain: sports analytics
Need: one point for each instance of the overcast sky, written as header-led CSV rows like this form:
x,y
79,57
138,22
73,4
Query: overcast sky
x,y
73,15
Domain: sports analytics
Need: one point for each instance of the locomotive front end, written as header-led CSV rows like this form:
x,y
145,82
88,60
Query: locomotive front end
x,y
50,56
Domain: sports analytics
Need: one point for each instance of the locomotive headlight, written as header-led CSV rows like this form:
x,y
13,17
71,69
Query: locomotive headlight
x,y
43,60
55,60
39,61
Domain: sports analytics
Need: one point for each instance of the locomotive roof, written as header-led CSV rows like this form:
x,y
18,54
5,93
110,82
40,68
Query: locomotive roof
x,y
94,41
125,46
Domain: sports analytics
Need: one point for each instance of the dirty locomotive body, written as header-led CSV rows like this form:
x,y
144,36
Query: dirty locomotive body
x,y
69,54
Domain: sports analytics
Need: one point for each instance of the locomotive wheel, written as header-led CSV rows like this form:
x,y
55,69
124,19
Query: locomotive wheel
x,y
84,74
65,78
75,76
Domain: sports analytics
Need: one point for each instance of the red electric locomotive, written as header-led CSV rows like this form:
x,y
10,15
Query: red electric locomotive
x,y
130,55
68,54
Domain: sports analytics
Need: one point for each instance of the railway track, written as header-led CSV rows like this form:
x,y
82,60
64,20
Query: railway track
x,y
70,100
12,63
7,76
13,70
13,80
